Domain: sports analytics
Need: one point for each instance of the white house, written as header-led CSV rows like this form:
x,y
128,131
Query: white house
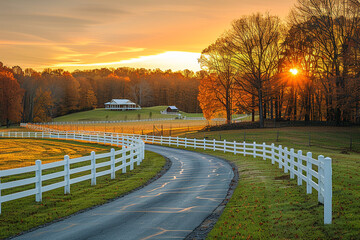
x,y
121,105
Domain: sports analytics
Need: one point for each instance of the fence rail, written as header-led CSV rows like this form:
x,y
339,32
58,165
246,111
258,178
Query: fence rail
x,y
316,173
119,121
131,152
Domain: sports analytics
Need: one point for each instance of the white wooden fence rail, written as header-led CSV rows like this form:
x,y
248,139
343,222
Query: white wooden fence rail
x,y
131,152
316,173
120,121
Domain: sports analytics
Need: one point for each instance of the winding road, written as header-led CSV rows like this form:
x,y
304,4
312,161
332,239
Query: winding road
x,y
169,208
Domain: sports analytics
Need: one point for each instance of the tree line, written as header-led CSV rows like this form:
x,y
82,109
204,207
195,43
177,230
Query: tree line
x,y
305,69
31,96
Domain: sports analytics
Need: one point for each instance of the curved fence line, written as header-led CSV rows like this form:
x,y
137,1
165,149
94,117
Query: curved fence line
x,y
71,170
118,121
316,173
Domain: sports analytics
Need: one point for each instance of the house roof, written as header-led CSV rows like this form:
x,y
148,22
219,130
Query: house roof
x,y
120,101
173,107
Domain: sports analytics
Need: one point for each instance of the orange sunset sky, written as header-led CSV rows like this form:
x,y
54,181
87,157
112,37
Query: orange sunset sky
x,y
85,34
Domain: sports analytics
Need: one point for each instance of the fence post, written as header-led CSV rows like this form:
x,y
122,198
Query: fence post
x,y
66,136
112,159
235,147
204,144
308,172
67,174
272,153
286,163
320,180
264,153
93,169
214,144
224,145
138,155
292,153
194,143
177,141
38,184
254,150
185,142
327,191
244,143
280,156
299,171
123,159
132,153
161,141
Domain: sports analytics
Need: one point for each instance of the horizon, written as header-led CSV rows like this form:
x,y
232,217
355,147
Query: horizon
x,y
87,35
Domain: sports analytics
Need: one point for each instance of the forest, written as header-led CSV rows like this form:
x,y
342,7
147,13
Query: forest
x,y
306,68
31,96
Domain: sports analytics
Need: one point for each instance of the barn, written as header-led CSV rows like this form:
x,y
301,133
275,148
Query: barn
x,y
121,105
170,110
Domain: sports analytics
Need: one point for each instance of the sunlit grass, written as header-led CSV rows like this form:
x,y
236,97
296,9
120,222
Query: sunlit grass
x,y
15,153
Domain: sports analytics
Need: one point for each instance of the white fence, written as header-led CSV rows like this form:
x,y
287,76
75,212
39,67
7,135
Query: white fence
x,y
316,173
304,167
132,152
118,121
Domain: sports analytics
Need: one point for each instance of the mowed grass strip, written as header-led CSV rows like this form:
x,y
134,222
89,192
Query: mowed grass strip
x,y
23,214
268,205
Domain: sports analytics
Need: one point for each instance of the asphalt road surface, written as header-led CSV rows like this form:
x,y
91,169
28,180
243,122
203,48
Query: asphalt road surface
x,y
169,208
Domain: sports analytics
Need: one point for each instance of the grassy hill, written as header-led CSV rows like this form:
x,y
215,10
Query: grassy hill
x,y
101,114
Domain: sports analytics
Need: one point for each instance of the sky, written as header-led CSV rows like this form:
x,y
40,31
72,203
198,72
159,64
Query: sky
x,y
88,34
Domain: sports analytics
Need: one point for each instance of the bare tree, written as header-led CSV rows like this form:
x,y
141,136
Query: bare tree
x,y
332,30
255,43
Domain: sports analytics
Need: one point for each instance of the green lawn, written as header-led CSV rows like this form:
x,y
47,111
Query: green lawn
x,y
268,205
101,114
23,214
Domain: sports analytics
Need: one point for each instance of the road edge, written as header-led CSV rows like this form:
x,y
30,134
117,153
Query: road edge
x,y
158,175
209,222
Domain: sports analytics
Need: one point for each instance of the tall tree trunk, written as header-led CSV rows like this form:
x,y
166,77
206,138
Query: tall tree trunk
x,y
253,109
261,116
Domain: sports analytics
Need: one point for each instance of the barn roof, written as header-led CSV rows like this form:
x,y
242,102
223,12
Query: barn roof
x,y
173,107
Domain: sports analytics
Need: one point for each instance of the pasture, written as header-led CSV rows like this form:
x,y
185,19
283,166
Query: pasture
x,y
23,214
101,114
267,204
173,127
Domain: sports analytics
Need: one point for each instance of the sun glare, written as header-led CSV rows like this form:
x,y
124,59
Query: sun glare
x,y
294,71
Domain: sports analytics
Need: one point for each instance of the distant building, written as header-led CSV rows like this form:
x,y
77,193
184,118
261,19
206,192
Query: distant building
x,y
171,110
121,105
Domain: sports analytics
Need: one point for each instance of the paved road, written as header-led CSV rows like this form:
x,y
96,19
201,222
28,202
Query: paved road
x,y
169,208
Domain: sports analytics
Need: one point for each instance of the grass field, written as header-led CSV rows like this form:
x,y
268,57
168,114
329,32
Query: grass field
x,y
268,205
23,214
101,114
15,129
173,127
15,153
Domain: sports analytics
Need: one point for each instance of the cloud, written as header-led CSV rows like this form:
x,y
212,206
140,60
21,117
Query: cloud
x,y
174,60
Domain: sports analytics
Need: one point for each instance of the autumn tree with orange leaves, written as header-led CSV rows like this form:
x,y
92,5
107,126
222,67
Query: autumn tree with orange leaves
x,y
10,98
218,89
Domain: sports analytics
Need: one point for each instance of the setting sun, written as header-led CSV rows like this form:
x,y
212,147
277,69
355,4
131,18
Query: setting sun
x,y
294,71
